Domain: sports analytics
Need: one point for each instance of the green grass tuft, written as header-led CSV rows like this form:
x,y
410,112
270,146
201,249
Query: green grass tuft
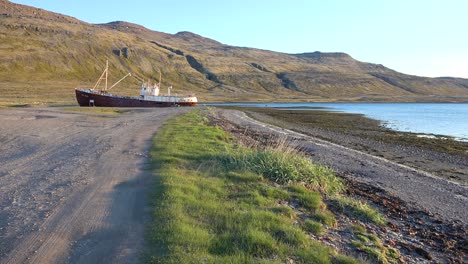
x,y
314,227
356,208
317,253
325,217
373,247
284,210
310,200
298,189
283,164
275,193
340,259
252,241
245,176
358,229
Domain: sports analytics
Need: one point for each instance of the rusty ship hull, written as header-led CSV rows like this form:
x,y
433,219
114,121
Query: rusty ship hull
x,y
88,97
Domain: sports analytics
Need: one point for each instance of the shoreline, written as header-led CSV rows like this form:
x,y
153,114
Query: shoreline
x,y
435,120
434,194
426,214
446,159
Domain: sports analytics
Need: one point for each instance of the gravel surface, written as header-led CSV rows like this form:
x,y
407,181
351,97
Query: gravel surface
x,y
73,185
419,189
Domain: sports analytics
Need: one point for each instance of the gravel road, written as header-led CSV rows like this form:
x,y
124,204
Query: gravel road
x,y
420,189
73,185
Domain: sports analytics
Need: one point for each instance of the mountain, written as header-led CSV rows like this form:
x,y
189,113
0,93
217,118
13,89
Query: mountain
x,y
46,55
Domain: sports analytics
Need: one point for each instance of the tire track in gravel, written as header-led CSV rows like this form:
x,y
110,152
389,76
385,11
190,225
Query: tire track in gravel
x,y
73,186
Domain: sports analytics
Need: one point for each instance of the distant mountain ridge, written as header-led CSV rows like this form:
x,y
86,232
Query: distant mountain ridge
x,y
45,54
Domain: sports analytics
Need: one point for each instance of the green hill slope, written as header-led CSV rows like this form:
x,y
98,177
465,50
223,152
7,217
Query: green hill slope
x,y
46,55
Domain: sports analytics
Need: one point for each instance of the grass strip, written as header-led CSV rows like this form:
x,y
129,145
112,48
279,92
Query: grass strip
x,y
215,202
96,110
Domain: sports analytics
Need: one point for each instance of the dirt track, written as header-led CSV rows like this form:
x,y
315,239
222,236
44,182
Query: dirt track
x,y
59,202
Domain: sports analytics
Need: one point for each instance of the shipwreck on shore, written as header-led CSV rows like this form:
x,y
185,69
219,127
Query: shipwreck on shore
x,y
149,95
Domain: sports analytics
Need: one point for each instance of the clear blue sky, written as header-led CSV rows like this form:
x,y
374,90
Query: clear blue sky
x,y
420,37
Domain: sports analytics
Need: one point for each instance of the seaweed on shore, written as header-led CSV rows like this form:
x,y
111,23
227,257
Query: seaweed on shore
x,y
357,124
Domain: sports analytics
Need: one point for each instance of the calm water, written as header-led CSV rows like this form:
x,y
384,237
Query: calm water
x,y
427,118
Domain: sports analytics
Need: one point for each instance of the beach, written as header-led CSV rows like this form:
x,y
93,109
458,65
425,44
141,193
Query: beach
x,y
426,212
443,157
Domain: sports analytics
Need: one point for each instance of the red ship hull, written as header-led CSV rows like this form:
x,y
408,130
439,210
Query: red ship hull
x,y
86,98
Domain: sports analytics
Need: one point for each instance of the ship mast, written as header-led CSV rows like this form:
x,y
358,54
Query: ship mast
x,y
107,72
159,85
103,77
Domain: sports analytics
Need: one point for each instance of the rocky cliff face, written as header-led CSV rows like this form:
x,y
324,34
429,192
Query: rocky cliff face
x,y
53,51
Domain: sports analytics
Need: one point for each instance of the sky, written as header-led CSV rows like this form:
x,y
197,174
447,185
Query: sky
x,y
418,37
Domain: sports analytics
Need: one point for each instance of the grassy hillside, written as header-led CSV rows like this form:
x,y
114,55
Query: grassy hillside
x,y
46,55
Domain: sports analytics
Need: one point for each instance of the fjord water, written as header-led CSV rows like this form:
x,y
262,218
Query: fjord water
x,y
426,118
